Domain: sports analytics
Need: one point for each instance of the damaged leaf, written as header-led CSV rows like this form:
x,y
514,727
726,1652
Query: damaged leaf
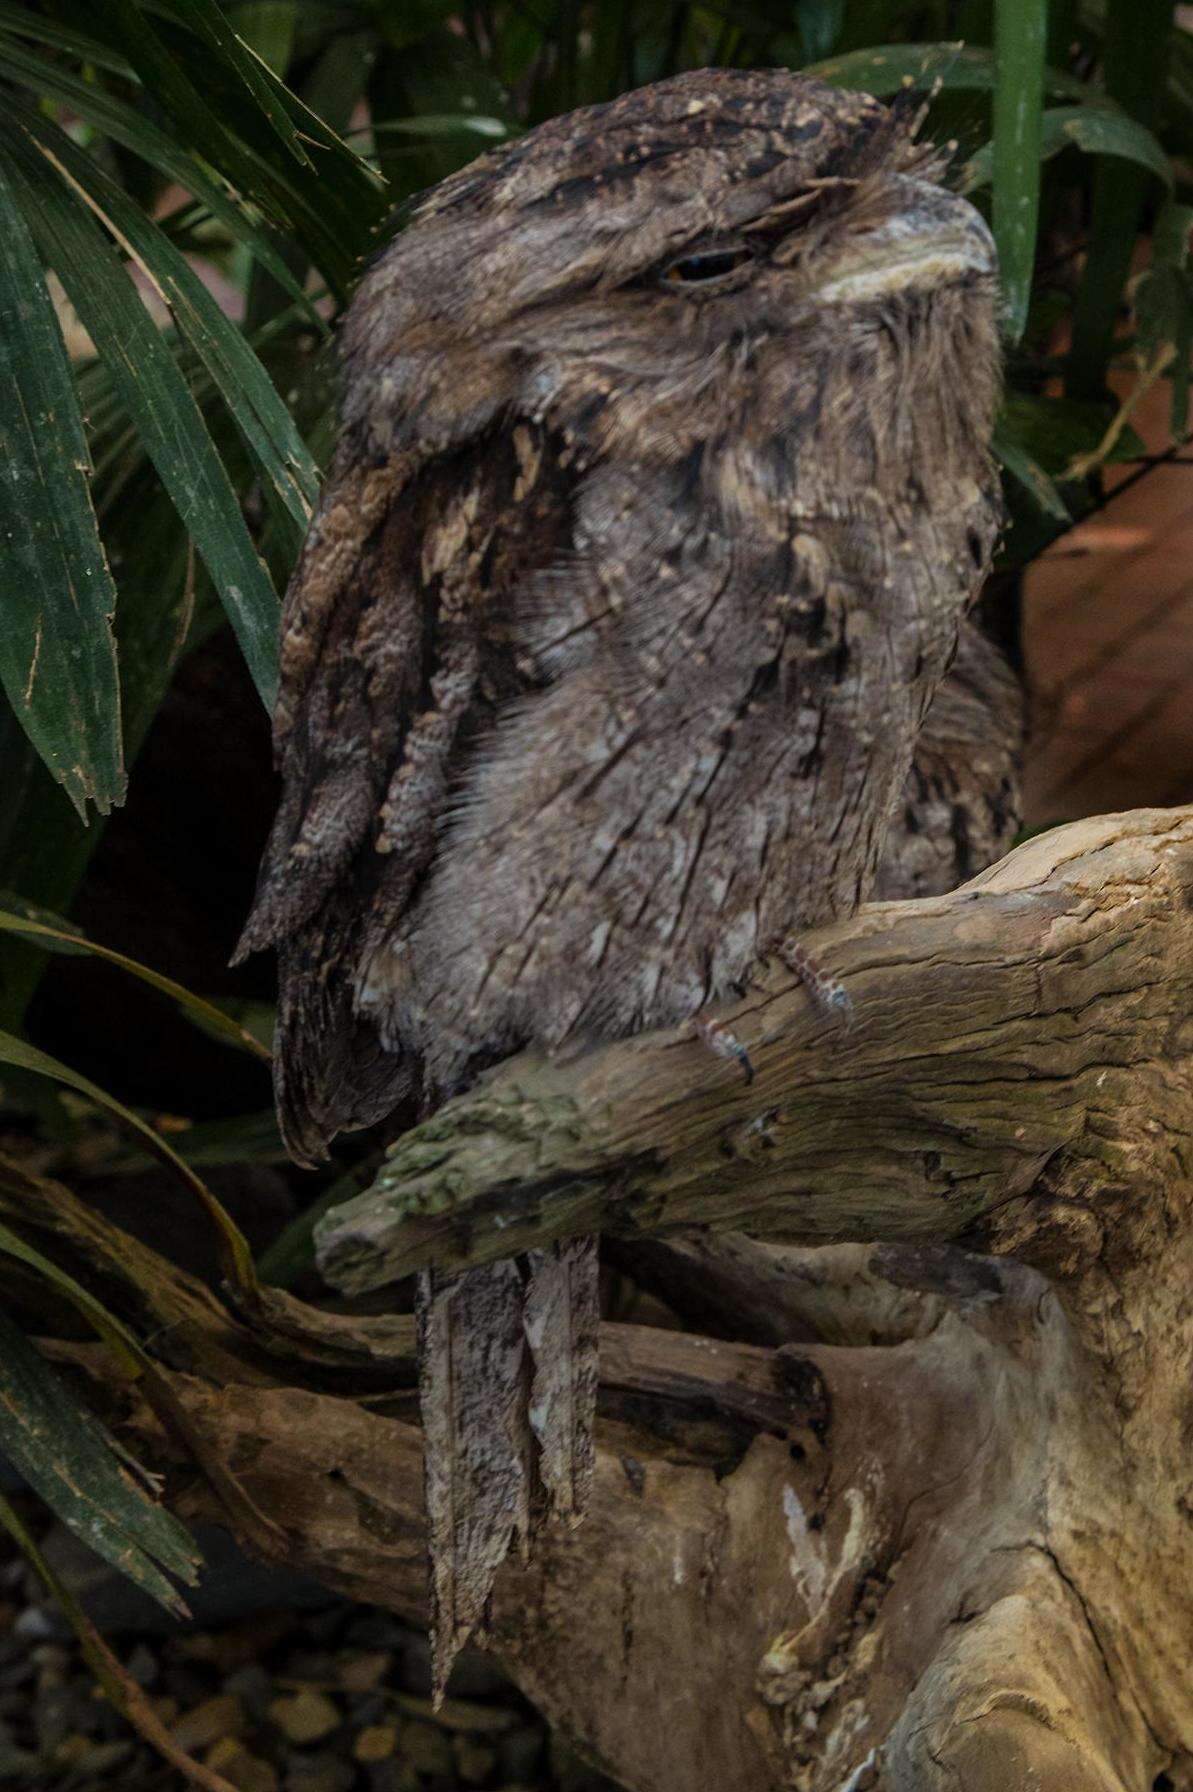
x,y
66,1458
41,927
237,1257
57,653
117,1682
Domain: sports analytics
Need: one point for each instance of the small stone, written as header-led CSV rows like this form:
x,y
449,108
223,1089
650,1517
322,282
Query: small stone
x,y
520,1755
249,1640
475,1763
320,1773
305,1716
376,1742
214,1719
365,1672
53,1663
34,1624
248,1773
394,1775
428,1750
100,1758
252,1683
461,1714
69,1750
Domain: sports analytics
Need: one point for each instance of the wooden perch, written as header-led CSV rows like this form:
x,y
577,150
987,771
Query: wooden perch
x,y
998,1028
908,1517
944,1560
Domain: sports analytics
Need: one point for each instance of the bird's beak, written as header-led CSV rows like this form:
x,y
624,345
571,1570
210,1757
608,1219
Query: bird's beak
x,y
933,239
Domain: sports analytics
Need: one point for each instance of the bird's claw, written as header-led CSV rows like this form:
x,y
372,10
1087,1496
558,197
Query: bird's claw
x,y
723,1041
827,993
840,1005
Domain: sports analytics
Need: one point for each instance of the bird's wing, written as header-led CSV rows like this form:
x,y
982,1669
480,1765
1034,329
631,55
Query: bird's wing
x,y
395,655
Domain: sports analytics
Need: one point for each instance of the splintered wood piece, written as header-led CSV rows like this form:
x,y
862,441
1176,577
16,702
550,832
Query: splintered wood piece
x,y
562,1318
473,1394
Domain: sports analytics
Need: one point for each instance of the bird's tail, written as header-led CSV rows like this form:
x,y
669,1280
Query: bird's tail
x,y
507,1381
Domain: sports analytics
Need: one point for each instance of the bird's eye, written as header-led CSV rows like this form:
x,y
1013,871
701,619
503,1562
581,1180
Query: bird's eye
x,y
706,265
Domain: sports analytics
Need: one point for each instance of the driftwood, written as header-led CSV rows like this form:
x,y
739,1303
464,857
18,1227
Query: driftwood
x,y
992,1023
911,1511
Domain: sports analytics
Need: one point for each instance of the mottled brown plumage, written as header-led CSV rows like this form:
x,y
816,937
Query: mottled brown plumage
x,y
960,809
663,487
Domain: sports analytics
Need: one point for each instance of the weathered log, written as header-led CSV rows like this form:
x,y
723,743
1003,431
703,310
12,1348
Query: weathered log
x,y
1019,1075
1017,1023
729,1286
932,1525
930,1564
1000,1613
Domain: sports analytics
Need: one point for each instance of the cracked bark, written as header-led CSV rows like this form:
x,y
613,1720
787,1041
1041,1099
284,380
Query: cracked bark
x,y
910,1510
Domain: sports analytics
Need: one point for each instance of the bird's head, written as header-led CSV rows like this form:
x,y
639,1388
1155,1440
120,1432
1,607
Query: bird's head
x,y
727,254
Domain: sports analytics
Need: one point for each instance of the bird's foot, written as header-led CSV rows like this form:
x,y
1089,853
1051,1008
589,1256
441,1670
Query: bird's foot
x,y
827,993
722,1040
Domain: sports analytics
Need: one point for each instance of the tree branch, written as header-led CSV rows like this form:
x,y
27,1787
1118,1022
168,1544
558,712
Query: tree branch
x,y
803,1566
998,1028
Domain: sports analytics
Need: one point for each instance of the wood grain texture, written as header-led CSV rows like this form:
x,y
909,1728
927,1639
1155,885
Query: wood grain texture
x,y
473,1395
561,1314
978,1006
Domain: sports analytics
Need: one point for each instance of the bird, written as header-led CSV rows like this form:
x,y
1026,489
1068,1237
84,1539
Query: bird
x,y
960,808
662,489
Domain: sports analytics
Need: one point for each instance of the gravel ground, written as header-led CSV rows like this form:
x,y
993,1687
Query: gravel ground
x,y
286,1697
